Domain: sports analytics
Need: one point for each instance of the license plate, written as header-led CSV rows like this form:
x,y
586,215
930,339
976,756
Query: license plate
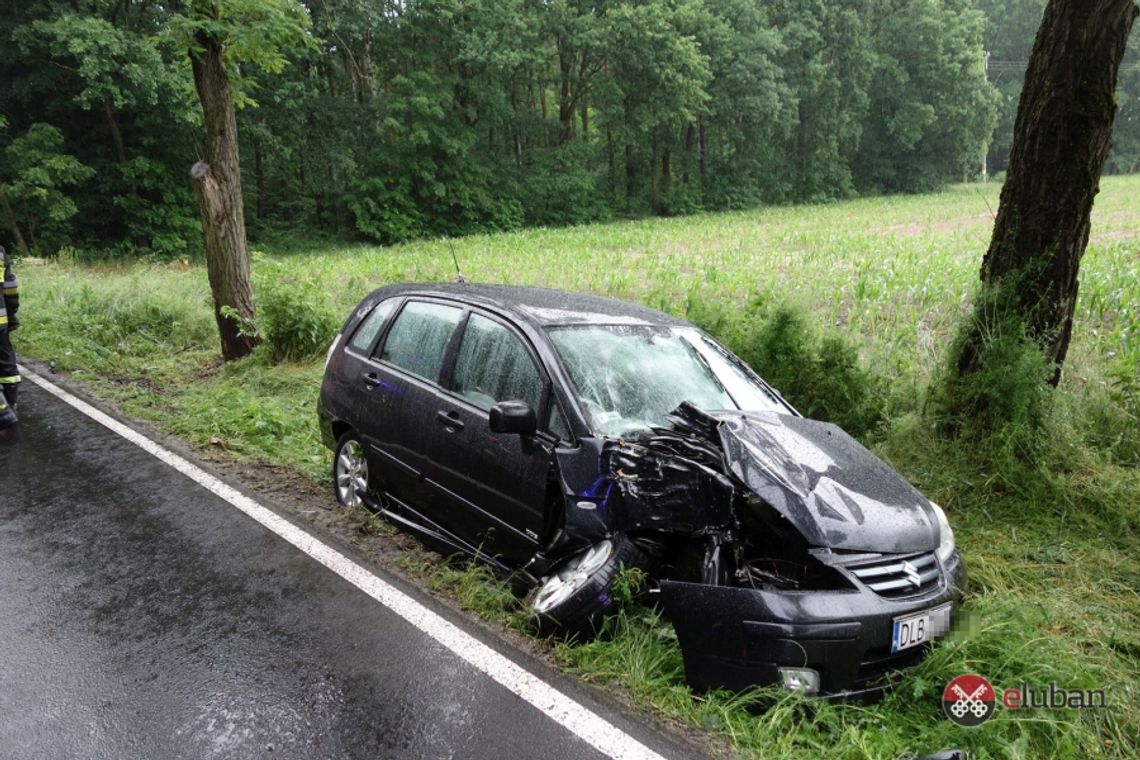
x,y
912,630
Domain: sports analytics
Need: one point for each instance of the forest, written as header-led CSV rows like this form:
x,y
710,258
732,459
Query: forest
x,y
387,121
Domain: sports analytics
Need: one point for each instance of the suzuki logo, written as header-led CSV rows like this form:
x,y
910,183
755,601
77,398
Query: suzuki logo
x,y
911,573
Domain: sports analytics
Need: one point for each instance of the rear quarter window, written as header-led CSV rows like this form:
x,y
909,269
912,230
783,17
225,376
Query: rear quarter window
x,y
366,333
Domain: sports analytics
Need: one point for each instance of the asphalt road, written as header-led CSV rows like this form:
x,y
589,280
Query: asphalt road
x,y
143,617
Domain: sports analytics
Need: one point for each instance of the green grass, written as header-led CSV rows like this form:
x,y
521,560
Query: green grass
x,y
1053,544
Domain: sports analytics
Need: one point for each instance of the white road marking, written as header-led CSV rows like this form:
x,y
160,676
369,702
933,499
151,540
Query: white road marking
x,y
574,717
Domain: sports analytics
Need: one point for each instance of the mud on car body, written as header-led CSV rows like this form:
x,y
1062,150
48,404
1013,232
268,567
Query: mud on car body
x,y
561,437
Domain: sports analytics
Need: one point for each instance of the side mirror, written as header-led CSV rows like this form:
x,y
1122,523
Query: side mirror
x,y
513,417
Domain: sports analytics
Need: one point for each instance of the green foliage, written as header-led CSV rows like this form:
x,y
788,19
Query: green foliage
x,y
820,375
561,188
1007,393
159,215
107,321
258,32
116,66
461,117
295,318
385,213
35,175
931,109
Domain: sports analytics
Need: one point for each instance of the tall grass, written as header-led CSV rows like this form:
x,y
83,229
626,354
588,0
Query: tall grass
x,y
852,306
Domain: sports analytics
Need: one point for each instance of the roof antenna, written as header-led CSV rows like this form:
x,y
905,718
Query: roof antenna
x,y
459,278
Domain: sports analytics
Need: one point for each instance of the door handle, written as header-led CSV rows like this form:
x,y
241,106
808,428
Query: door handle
x,y
370,378
449,421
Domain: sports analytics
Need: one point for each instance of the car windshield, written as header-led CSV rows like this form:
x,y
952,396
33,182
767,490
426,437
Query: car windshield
x,y
631,377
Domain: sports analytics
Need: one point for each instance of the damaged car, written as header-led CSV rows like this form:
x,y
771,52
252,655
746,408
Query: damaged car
x,y
562,437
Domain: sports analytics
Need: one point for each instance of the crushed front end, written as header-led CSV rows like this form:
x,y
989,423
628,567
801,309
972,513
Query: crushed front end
x,y
783,551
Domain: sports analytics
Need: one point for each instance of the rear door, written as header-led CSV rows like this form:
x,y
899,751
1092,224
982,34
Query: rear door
x,y
403,379
497,481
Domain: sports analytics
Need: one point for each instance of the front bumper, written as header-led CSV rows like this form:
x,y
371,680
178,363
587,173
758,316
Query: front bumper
x,y
736,638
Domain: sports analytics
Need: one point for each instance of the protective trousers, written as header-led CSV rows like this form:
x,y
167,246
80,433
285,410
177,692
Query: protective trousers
x,y
9,372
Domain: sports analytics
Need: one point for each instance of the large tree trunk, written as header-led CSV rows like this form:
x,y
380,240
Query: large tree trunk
x,y
1062,135
217,181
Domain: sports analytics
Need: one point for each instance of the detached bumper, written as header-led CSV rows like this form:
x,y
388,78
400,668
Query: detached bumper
x,y
735,638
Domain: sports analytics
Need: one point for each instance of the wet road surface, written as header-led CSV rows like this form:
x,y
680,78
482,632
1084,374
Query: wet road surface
x,y
142,617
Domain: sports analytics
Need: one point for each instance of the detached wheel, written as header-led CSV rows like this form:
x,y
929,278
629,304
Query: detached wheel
x,y
350,470
576,596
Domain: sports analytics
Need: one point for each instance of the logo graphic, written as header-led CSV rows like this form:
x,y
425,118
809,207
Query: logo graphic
x,y
911,573
968,700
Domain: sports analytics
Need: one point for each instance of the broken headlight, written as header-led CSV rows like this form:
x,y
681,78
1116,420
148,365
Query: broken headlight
x,y
945,535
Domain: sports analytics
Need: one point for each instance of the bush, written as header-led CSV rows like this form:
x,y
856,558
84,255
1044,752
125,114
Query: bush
x,y
294,317
560,189
819,375
385,211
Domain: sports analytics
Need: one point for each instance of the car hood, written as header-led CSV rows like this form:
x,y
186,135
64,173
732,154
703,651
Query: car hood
x,y
833,490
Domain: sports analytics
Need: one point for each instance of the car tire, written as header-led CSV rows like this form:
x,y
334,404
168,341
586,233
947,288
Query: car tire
x,y
349,470
576,597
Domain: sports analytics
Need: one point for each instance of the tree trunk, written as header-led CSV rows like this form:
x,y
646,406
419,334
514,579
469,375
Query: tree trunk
x,y
367,67
689,138
1062,135
13,225
217,181
702,162
116,133
565,98
611,160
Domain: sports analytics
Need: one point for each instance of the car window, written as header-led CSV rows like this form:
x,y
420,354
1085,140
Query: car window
x,y
370,327
556,424
494,365
630,377
745,391
418,339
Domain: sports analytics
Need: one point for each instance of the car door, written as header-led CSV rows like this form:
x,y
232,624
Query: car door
x,y
403,377
497,481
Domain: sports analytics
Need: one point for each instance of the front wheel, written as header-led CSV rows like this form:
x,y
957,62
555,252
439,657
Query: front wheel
x,y
577,596
350,470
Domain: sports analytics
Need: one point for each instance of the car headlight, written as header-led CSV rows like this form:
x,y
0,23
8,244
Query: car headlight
x,y
945,535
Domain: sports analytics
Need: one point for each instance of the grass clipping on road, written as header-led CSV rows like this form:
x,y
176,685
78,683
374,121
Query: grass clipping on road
x,y
869,292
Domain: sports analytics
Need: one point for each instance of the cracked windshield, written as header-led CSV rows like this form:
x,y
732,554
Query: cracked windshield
x,y
630,378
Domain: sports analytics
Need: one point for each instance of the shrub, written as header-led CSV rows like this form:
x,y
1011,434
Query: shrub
x,y
294,317
560,189
385,211
819,375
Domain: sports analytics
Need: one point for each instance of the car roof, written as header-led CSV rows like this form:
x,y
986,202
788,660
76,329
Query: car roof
x,y
542,307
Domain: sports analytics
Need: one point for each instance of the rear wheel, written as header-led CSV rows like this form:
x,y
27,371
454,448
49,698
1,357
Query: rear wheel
x,y
577,596
350,470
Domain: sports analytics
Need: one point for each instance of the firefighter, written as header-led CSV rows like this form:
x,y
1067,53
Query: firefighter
x,y
9,373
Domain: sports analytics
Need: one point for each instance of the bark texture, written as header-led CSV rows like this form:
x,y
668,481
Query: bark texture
x,y
217,181
1062,136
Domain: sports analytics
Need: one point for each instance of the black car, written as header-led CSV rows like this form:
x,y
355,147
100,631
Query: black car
x,y
562,437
